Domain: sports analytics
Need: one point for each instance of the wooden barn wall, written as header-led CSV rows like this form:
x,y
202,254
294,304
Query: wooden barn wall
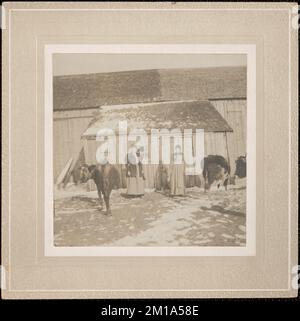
x,y
68,127
215,143
235,113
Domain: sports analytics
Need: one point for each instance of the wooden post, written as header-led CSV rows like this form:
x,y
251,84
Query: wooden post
x,y
227,151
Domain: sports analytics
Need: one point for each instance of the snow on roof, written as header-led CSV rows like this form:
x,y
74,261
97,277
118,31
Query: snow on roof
x,y
191,114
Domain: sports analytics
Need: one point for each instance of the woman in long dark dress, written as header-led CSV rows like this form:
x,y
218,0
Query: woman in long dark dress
x,y
161,178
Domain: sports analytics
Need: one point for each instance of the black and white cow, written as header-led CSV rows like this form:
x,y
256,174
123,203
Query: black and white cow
x,y
215,169
241,167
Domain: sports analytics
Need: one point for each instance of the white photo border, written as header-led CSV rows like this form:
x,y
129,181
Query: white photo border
x,y
250,248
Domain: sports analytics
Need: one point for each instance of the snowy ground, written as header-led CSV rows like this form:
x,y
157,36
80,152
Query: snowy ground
x,y
216,218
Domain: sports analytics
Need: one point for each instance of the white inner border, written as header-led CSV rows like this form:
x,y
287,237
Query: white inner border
x,y
288,11
250,248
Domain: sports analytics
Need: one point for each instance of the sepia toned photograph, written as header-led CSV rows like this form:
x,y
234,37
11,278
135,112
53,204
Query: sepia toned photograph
x,y
149,150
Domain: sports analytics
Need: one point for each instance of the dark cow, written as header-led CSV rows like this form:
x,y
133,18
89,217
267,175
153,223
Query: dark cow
x,y
241,167
215,168
106,178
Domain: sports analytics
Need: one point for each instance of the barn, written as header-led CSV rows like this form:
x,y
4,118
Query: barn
x,y
79,101
182,115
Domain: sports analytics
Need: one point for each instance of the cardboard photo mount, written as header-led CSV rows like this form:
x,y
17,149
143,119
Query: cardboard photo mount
x,y
27,272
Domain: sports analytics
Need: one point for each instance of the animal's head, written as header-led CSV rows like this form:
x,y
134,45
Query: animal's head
x,y
240,169
84,173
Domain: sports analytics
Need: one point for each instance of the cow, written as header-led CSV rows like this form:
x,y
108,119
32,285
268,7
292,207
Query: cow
x,y
241,167
106,178
215,168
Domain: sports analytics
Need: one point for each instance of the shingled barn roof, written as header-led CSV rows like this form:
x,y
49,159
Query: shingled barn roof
x,y
168,115
95,90
204,83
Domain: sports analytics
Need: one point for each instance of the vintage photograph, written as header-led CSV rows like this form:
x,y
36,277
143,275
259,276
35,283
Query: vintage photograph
x,y
149,150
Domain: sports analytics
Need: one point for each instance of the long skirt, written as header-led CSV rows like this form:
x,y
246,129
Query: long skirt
x,y
135,185
177,176
161,180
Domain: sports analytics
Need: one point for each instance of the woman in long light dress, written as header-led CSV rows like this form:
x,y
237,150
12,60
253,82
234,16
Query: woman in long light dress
x,y
177,173
135,174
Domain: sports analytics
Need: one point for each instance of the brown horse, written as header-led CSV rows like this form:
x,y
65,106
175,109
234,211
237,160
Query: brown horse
x,y
106,178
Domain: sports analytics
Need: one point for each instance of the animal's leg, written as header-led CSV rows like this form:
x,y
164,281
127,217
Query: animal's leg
x,y
207,185
106,200
226,183
209,182
100,199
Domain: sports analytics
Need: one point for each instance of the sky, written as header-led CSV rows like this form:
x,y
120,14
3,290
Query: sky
x,y
74,63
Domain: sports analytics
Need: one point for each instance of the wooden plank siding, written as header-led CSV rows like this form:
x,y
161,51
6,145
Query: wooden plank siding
x,y
68,127
214,142
235,113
